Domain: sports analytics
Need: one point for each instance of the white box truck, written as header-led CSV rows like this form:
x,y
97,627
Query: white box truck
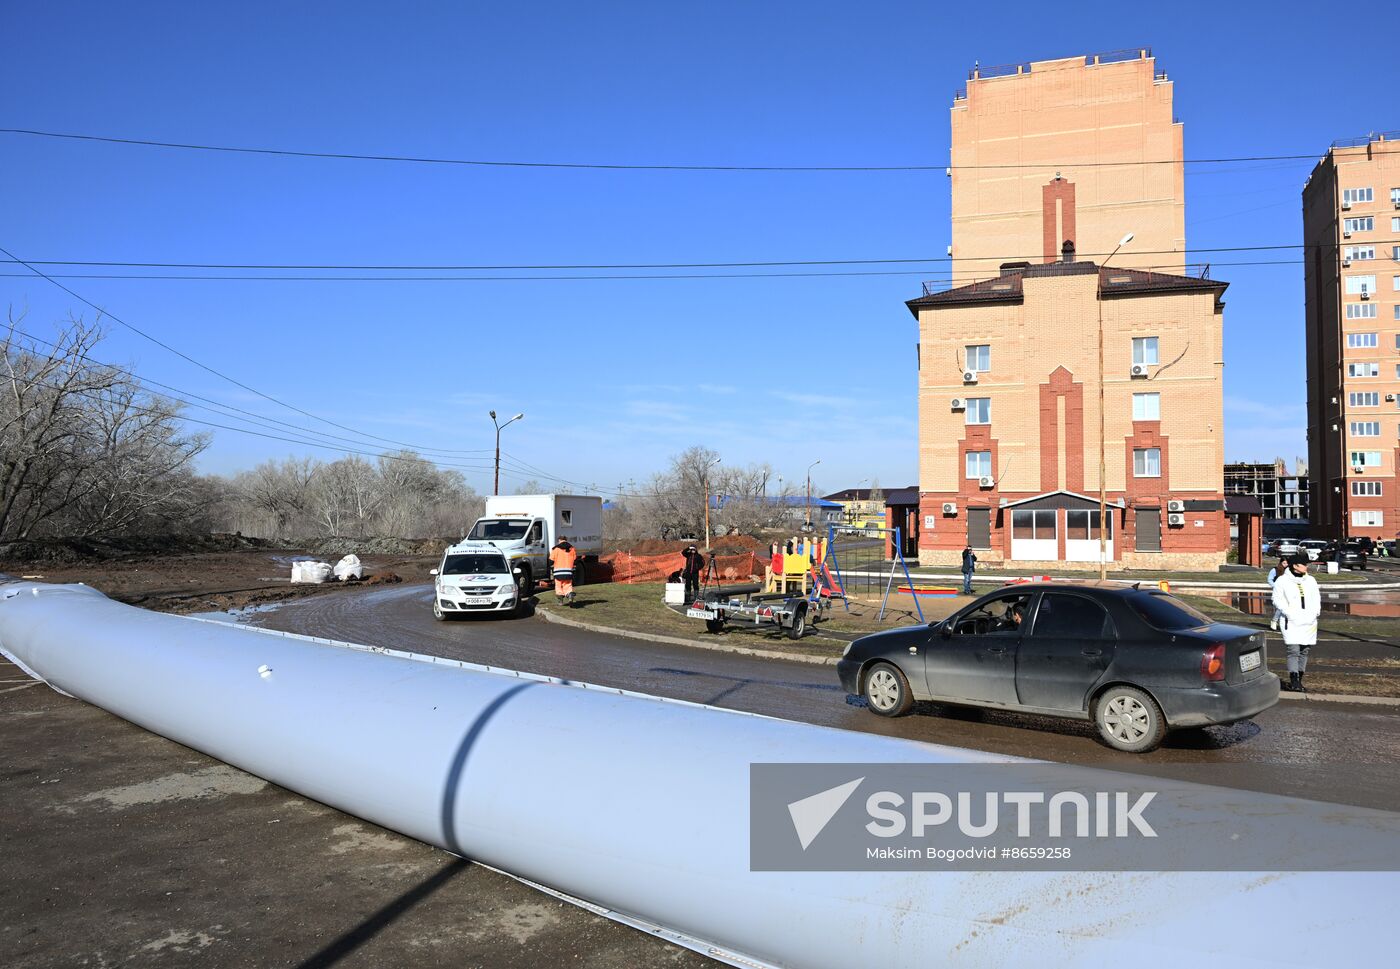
x,y
526,527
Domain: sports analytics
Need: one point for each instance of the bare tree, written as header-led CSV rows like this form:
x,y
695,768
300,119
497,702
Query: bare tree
x,y
345,495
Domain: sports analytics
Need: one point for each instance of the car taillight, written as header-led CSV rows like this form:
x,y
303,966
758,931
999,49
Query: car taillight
x,y
1213,662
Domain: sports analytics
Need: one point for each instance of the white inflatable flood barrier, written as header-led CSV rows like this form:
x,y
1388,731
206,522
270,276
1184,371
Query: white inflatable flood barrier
x,y
638,808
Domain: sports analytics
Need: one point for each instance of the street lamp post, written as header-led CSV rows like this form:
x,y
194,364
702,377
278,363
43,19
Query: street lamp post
x,y
1103,487
705,483
808,522
496,485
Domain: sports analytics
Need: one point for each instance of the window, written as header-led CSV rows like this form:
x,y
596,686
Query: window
x,y
1359,252
1147,407
1396,308
1061,616
1361,311
1363,398
1395,223
979,358
979,464
1360,284
1355,341
1032,524
566,517
1366,489
1365,459
1147,462
1395,253
1397,366
1355,195
1166,612
979,410
1145,350
1365,428
1365,369
1366,223
1395,196
1083,526
1367,519
1395,280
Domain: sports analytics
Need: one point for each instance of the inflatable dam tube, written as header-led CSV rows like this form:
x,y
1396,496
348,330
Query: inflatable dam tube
x,y
638,807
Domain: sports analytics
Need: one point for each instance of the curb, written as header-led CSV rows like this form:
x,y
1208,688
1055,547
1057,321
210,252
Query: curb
x,y
1361,700
679,641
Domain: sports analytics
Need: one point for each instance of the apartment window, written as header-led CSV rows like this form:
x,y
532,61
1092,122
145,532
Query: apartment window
x,y
979,464
1359,252
1147,407
979,410
1365,428
1365,459
1367,519
1395,196
1365,223
1355,341
1145,350
1360,284
1361,311
1366,369
979,358
1366,489
1396,308
1395,280
1364,398
1147,462
1397,366
1395,253
1395,223
1354,195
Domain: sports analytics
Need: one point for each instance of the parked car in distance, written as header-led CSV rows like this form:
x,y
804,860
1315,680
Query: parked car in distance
x,y
1367,543
1284,546
1314,547
1347,555
1136,662
1389,548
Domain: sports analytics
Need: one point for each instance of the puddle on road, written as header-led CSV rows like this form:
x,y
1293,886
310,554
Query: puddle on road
x,y
235,616
1385,606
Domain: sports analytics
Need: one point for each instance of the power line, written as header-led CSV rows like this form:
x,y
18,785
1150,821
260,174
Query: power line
x,y
203,366
611,166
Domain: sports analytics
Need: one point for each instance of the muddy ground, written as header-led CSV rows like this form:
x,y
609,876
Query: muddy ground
x,y
207,581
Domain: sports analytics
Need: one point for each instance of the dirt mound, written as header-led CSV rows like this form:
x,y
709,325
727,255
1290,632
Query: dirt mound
x,y
383,578
74,551
335,548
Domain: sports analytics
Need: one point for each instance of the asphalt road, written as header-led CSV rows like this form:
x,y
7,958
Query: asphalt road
x,y
1334,752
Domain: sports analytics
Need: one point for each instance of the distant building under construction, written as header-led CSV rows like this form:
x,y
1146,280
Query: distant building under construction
x,y
1283,496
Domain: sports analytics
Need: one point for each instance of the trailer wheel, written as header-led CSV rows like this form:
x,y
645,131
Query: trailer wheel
x,y
714,625
799,622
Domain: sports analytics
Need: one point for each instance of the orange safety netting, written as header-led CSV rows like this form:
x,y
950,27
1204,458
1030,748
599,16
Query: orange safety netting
x,y
628,568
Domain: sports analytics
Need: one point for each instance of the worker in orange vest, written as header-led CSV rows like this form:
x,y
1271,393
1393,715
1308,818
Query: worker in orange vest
x,y
561,559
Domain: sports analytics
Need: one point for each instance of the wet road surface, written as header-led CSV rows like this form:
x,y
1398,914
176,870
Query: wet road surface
x,y
1334,752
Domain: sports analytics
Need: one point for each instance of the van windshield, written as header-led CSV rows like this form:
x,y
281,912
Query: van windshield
x,y
474,563
488,530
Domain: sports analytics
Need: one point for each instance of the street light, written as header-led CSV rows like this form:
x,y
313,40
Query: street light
x,y
1103,488
808,522
496,487
705,483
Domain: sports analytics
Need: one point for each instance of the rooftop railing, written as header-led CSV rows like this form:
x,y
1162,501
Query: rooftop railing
x,y
1365,140
1118,56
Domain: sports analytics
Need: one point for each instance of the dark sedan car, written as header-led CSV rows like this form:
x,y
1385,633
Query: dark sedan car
x,y
1347,555
1137,662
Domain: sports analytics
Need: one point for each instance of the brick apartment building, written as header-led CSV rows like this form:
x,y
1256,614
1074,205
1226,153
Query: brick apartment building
x,y
1351,225
1009,377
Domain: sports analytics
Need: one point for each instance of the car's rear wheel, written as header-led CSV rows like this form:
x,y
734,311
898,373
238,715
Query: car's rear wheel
x,y
1129,720
714,625
887,690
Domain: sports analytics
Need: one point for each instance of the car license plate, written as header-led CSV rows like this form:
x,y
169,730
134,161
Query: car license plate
x,y
478,600
1249,661
700,613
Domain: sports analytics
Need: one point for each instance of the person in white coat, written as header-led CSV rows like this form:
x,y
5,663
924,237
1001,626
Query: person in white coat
x,y
1274,573
1299,603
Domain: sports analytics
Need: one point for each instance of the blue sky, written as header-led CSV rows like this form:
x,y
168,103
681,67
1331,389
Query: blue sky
x,y
613,375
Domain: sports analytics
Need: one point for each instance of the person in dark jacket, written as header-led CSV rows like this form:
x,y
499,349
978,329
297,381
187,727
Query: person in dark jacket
x,y
692,570
969,565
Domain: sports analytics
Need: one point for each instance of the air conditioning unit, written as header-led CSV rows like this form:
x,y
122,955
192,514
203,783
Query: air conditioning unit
x,y
1397,203
969,376
1176,520
959,404
1346,206
1364,294
1389,397
1346,234
948,172
950,507
1176,506
1359,469
1139,370
1346,263
987,481
950,250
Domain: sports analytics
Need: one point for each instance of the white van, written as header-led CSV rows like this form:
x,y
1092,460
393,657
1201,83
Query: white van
x,y
526,527
473,577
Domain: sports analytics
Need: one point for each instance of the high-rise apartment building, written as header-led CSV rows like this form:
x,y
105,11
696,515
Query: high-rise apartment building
x,y
1016,401
1103,123
1351,228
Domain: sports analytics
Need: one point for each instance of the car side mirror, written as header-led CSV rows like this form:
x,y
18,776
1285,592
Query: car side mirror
x,y
432,571
945,630
516,570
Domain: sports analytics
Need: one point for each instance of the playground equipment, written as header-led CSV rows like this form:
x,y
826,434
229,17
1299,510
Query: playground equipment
x,y
858,561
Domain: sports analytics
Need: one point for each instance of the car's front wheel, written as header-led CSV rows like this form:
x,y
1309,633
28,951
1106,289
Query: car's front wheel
x,y
438,614
887,690
1130,720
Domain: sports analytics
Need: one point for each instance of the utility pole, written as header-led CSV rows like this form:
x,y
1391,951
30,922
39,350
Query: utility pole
x,y
1103,487
705,483
496,484
808,522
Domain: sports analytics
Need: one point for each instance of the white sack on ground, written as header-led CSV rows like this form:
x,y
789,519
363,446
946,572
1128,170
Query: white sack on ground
x,y
349,568
311,572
